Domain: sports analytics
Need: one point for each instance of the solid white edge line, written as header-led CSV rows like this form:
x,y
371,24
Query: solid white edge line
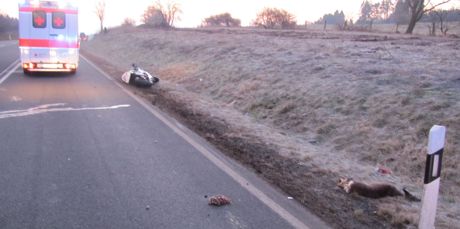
x,y
283,213
13,67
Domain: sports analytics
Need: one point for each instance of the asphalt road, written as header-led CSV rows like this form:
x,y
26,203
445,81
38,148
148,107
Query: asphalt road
x,y
79,152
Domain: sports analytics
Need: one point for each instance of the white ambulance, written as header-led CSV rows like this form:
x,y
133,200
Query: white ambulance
x,y
48,36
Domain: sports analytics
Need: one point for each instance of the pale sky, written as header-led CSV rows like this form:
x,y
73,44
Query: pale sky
x,y
194,11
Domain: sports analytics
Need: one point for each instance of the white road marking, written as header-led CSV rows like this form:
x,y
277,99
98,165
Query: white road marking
x,y
56,107
9,70
283,213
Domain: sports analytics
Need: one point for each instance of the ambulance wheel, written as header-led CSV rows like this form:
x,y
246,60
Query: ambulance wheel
x,y
73,72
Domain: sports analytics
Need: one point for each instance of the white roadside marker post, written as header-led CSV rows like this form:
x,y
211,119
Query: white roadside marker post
x,y
432,177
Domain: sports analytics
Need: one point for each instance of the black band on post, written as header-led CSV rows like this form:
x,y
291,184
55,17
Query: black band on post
x,y
430,174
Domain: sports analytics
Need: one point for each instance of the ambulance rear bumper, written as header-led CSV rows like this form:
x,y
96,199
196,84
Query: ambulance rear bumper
x,y
49,67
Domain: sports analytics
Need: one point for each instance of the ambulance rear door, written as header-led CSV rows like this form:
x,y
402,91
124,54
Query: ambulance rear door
x,y
37,36
59,37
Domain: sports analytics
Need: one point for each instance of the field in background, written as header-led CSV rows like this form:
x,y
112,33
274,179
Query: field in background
x,y
346,101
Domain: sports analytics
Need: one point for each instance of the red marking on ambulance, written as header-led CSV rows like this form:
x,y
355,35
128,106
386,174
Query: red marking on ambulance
x,y
39,21
42,43
58,22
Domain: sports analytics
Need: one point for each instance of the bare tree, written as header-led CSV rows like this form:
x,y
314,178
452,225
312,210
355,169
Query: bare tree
x,y
432,25
387,7
271,17
370,12
154,17
443,25
418,8
170,12
100,12
400,14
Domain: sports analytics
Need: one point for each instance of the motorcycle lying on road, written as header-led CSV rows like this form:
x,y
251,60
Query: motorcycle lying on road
x,y
139,77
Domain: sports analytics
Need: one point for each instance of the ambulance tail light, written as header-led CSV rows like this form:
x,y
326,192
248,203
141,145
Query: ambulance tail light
x,y
28,66
70,66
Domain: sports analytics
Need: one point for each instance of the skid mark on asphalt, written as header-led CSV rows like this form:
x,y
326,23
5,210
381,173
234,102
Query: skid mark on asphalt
x,y
55,107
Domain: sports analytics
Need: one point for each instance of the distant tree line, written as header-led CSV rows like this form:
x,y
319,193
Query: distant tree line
x,y
449,15
8,24
398,12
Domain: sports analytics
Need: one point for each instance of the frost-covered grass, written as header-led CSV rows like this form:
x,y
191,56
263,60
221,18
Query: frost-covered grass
x,y
352,101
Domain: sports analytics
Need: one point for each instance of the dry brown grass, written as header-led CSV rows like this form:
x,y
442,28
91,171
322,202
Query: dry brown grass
x,y
347,101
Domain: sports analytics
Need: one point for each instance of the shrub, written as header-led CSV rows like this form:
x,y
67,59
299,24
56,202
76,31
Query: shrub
x,y
224,19
270,18
154,17
129,22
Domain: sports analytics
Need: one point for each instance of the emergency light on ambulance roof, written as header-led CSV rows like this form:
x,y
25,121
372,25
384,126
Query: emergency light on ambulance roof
x,y
62,4
49,3
66,3
73,4
35,3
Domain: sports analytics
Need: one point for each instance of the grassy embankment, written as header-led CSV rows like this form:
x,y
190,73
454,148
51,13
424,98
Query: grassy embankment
x,y
304,107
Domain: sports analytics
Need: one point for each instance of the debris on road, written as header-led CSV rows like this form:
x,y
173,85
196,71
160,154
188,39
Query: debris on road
x,y
219,200
139,77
